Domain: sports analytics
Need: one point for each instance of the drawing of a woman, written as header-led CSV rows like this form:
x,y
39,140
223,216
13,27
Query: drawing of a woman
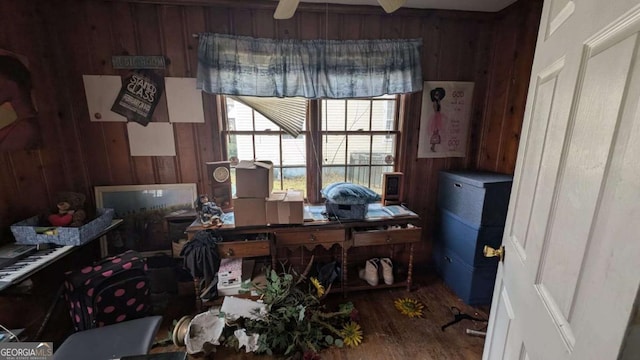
x,y
436,122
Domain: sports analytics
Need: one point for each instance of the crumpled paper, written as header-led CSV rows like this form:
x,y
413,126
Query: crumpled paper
x,y
204,328
250,342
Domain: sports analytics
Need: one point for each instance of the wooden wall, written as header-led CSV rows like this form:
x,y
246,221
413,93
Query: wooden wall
x,y
65,39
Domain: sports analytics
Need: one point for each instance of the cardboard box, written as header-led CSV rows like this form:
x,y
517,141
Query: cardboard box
x,y
254,179
230,272
249,211
285,207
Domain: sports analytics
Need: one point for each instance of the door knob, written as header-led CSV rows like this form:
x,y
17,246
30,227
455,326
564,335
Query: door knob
x,y
491,252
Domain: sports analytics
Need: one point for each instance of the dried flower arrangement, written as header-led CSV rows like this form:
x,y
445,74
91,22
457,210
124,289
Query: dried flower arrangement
x,y
297,324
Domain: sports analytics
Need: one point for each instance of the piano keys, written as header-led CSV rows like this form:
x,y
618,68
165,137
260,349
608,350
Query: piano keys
x,y
23,268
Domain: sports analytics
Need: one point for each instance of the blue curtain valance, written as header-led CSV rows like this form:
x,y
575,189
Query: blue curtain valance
x,y
241,65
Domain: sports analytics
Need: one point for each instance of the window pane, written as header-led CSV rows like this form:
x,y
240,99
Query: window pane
x,y
358,175
333,149
333,113
384,144
332,174
244,147
358,149
358,112
232,177
268,148
241,114
383,113
376,177
277,178
262,123
295,178
294,151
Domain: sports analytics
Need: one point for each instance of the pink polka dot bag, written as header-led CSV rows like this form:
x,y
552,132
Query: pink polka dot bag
x,y
112,290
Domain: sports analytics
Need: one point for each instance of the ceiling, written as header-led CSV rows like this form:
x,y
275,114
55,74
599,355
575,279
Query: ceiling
x,y
468,5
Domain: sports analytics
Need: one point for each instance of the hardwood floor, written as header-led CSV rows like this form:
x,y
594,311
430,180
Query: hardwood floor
x,y
387,333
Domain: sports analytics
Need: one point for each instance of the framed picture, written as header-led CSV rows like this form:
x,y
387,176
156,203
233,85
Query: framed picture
x,y
143,208
445,119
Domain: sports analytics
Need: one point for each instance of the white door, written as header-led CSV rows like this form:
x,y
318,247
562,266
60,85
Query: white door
x,y
571,272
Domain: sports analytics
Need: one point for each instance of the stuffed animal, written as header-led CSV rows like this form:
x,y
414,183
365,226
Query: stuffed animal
x,y
70,210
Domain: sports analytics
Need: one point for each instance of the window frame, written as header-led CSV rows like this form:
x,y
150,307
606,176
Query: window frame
x,y
313,134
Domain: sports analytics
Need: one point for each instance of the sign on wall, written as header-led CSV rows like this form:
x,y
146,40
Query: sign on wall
x,y
445,119
140,93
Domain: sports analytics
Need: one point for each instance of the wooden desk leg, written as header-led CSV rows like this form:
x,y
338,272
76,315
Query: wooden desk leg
x,y
410,270
274,255
344,271
104,246
196,284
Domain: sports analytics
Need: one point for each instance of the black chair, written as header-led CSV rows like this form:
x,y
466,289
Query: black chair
x,y
133,337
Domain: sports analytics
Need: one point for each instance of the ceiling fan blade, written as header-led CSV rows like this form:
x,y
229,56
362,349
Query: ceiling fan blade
x,y
286,9
389,5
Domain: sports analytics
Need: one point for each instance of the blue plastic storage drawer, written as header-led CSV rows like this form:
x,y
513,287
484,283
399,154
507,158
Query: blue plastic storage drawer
x,y
480,198
474,285
468,240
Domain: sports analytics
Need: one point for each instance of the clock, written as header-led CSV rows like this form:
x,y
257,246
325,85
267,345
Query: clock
x,y
220,180
221,174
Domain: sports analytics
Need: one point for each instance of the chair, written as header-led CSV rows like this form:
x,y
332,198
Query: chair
x,y
133,337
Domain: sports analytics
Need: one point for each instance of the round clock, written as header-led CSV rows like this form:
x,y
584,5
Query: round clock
x,y
221,174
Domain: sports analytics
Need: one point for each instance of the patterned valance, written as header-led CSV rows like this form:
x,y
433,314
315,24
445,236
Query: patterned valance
x,y
241,65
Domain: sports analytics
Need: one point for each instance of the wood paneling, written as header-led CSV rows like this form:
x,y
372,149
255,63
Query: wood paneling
x,y
65,39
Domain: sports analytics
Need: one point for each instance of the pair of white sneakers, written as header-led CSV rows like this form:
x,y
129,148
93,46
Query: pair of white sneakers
x,y
376,268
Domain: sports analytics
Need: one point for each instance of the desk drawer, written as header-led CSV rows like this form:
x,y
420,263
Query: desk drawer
x,y
310,236
244,248
383,237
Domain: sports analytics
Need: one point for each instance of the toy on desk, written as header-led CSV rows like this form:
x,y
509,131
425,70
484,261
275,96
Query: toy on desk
x,y
208,212
70,210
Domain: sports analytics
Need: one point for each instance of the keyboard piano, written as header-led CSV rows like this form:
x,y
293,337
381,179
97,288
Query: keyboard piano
x,y
25,267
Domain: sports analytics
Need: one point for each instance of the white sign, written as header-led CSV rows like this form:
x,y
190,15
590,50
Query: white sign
x,y
445,119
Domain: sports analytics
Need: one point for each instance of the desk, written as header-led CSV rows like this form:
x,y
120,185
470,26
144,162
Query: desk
x,y
387,232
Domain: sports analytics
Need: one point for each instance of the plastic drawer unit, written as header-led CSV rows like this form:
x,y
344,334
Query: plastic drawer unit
x,y
473,209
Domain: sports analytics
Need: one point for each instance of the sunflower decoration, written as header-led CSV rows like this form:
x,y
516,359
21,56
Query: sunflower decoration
x,y
351,333
319,288
410,307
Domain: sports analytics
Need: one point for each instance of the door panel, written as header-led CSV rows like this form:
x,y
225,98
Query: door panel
x,y
533,148
583,172
568,284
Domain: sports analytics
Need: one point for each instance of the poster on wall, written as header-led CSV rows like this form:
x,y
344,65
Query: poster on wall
x,y
19,128
140,93
445,119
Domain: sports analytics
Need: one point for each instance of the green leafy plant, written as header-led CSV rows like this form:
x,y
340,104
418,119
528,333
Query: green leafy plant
x,y
296,324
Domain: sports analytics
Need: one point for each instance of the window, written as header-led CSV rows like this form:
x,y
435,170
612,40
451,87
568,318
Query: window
x,y
252,136
356,142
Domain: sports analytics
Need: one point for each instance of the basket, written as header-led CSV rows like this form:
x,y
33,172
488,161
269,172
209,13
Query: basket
x,y
28,232
347,212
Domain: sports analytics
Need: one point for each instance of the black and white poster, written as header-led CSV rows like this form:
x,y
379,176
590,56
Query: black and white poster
x,y
140,93
445,119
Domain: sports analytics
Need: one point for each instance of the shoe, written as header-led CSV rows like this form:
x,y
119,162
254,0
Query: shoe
x,y
387,270
370,272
